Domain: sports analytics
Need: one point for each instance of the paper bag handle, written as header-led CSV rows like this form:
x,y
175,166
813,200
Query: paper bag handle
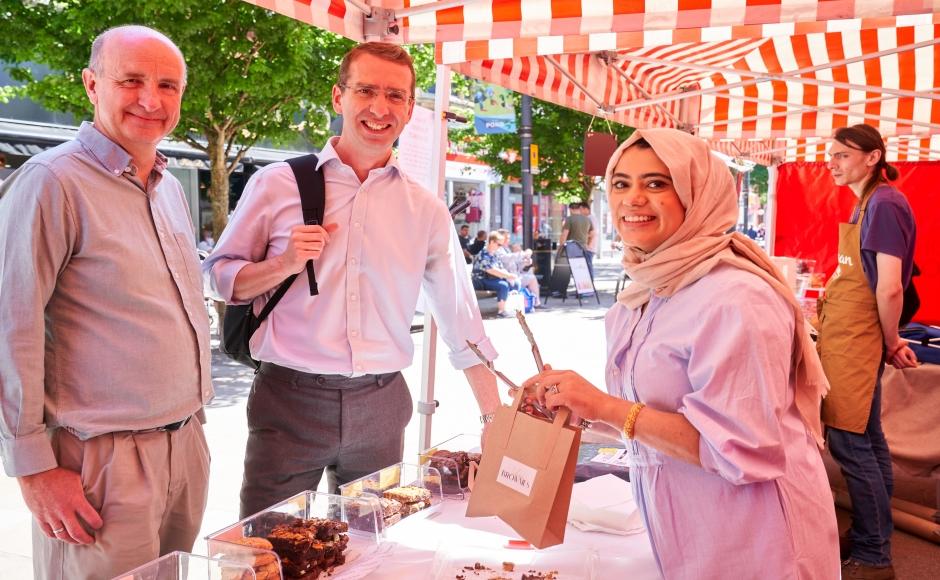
x,y
548,443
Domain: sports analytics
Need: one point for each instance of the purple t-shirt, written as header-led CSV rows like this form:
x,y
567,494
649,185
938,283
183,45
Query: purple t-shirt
x,y
888,227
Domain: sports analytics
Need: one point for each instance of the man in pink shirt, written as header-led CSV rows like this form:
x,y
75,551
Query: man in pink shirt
x,y
329,395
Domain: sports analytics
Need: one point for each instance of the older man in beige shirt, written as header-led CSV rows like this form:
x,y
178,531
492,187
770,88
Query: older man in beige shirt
x,y
104,350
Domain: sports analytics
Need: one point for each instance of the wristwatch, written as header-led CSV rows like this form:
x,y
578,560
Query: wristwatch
x,y
487,418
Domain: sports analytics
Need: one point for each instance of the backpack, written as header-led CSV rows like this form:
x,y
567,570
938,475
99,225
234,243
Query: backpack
x,y
240,322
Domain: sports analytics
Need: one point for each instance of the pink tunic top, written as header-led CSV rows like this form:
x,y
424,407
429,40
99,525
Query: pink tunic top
x,y
718,352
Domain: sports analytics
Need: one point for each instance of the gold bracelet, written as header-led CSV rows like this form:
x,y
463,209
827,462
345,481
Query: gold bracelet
x,y
629,426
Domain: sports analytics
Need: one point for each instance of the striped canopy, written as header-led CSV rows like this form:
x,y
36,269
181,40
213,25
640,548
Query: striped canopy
x,y
761,79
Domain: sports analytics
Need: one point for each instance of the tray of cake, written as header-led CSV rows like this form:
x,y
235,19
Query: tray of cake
x,y
311,535
457,460
403,490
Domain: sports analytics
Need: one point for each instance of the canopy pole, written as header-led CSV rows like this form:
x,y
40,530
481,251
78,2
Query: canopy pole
x,y
427,404
525,138
575,82
360,6
432,7
770,212
646,94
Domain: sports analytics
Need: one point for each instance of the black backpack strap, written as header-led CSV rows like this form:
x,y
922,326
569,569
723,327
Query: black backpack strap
x,y
276,297
312,190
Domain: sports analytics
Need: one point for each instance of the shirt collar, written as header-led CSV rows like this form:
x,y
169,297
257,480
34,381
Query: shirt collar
x,y
328,153
110,155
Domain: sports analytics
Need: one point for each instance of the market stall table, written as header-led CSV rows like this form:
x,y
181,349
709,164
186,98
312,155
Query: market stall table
x,y
423,542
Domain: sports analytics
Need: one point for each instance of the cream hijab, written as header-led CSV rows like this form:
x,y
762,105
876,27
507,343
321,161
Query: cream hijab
x,y
707,192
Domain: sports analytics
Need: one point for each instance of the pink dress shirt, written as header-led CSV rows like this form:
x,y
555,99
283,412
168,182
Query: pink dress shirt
x,y
394,238
718,352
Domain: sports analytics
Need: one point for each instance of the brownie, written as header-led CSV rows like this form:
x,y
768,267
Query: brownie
x,y
408,494
411,508
390,507
309,547
262,525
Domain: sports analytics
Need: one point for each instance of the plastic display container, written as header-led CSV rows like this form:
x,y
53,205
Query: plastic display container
x,y
415,489
362,514
183,566
452,458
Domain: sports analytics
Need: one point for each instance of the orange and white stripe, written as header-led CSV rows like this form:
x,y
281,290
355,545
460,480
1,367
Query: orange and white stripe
x,y
497,29
764,79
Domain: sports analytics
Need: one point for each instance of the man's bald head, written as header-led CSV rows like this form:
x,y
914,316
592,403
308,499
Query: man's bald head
x,y
129,31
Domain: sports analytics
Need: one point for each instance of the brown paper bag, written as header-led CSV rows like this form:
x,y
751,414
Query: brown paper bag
x,y
526,474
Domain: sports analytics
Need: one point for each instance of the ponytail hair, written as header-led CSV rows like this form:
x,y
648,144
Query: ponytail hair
x,y
866,138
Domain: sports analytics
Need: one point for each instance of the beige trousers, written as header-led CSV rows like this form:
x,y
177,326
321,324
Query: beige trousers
x,y
150,490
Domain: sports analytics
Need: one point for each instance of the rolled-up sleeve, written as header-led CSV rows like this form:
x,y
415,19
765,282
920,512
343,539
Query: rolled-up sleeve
x,y
244,241
37,233
451,298
739,370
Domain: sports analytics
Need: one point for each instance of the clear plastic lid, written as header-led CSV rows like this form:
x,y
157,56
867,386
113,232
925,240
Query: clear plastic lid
x,y
404,490
453,458
248,541
183,566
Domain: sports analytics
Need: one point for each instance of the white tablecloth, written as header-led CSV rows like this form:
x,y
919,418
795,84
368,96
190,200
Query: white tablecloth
x,y
417,539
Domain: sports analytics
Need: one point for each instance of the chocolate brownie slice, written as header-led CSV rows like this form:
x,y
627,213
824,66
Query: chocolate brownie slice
x,y
408,494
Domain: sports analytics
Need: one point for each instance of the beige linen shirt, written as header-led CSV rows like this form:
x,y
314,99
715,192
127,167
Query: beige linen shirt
x,y
103,327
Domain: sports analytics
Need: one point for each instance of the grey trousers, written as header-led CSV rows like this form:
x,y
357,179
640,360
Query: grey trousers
x,y
150,489
300,425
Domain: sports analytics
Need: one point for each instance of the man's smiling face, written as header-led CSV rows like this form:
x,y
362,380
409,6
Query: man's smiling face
x,y
372,119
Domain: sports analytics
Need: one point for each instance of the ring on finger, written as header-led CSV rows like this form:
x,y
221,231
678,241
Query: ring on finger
x,y
57,531
553,389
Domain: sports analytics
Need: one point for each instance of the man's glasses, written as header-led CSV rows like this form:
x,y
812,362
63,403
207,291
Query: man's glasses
x,y
369,93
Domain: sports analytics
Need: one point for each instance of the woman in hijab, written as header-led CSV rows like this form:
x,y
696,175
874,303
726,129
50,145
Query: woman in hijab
x,y
713,380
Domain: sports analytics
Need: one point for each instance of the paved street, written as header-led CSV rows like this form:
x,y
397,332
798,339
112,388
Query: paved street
x,y
569,336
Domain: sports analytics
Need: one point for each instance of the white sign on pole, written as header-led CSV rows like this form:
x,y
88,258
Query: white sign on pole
x,y
416,149
581,275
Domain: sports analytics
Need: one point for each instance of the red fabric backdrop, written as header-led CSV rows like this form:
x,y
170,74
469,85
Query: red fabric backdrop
x,y
810,207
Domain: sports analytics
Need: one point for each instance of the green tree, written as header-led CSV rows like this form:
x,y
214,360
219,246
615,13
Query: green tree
x,y
758,182
559,133
253,74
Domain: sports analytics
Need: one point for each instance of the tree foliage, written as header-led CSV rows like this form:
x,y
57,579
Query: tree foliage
x,y
253,74
559,134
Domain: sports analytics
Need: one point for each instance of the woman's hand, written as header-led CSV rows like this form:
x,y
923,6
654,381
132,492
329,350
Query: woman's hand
x,y
900,355
569,389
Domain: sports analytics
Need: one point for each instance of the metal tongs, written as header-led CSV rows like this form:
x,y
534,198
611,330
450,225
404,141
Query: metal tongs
x,y
542,410
539,408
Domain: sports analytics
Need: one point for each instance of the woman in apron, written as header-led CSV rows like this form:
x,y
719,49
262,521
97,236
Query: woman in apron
x,y
858,332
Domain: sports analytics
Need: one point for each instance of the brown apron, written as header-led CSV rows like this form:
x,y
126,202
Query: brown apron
x,y
850,340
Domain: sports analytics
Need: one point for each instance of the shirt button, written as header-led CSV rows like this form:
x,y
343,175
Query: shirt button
x,y
117,172
352,261
359,367
357,225
176,275
353,333
353,297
